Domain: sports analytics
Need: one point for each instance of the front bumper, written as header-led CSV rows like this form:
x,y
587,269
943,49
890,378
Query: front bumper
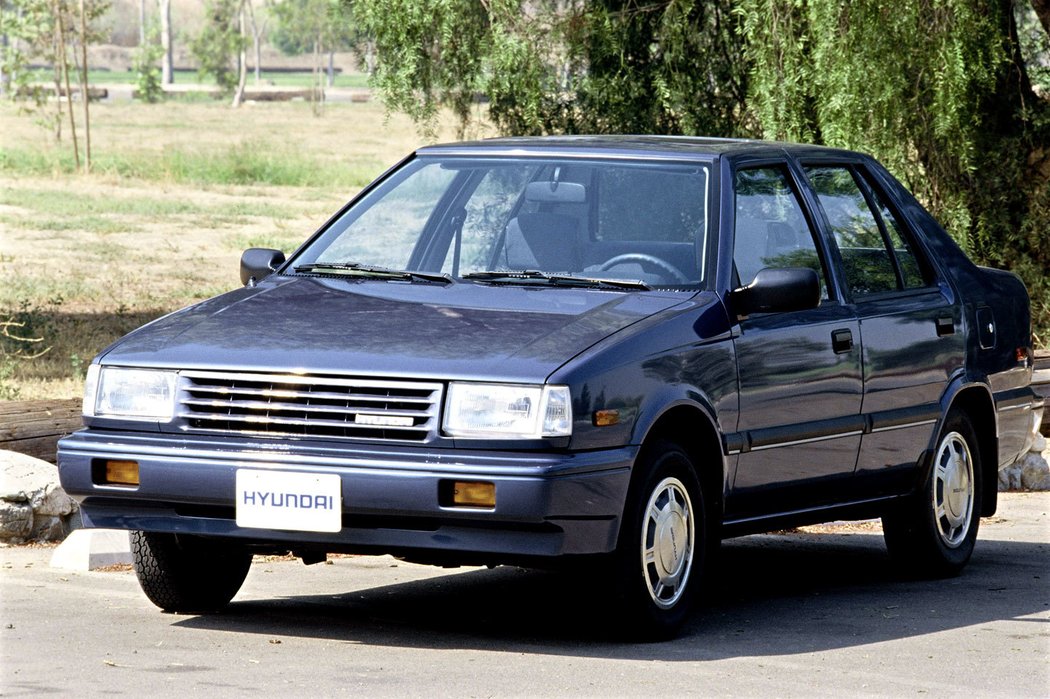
x,y
547,504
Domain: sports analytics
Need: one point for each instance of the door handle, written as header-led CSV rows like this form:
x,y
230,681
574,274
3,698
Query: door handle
x,y
945,326
842,340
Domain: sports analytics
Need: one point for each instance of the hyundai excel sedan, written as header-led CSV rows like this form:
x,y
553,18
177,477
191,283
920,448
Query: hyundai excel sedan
x,y
607,353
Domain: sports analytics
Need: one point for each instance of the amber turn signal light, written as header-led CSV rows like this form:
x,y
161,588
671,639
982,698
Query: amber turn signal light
x,y
119,473
474,494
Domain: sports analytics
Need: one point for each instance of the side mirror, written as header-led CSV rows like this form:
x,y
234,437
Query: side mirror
x,y
257,263
778,290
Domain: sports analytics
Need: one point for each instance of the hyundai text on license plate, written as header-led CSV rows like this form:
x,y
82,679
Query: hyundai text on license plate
x,y
309,502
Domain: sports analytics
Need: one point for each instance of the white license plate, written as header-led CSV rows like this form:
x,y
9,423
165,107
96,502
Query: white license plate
x,y
307,502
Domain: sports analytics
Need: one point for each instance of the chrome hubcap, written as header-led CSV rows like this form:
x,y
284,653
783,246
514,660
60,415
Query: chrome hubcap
x,y
667,542
953,489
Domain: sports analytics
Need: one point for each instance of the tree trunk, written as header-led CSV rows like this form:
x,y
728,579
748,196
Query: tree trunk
x,y
142,22
166,67
315,79
84,87
242,56
56,43
60,46
331,69
5,79
256,39
1042,10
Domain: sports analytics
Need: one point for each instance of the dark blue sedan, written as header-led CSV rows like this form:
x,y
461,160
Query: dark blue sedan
x,y
599,352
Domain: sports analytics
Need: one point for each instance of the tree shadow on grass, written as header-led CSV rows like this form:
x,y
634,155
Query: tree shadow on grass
x,y
773,595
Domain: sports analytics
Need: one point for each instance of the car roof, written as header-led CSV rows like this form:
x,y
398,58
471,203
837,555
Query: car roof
x,y
629,146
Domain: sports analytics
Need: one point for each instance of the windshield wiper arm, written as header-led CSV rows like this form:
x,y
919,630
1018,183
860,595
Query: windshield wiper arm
x,y
533,275
508,274
356,269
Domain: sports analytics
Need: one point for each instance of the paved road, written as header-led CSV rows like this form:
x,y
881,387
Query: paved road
x,y
803,615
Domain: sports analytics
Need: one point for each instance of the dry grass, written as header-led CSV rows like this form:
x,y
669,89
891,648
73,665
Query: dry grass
x,y
87,258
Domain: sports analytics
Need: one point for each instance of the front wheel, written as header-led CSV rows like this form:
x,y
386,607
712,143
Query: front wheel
x,y
934,533
188,574
663,542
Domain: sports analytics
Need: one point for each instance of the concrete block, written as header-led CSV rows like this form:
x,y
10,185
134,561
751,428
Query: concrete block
x,y
88,549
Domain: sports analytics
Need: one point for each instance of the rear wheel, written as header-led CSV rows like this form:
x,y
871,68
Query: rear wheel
x,y
663,543
188,574
934,533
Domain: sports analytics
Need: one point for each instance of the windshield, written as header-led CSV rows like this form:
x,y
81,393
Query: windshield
x,y
473,218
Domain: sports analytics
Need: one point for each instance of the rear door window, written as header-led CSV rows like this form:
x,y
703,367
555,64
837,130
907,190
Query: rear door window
x,y
876,255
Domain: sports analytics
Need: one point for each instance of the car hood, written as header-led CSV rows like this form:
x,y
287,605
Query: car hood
x,y
381,328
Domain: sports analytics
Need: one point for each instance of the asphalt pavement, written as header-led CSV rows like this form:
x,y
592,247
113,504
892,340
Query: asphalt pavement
x,y
814,614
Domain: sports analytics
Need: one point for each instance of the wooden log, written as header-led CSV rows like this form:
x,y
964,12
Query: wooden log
x,y
278,95
94,93
34,427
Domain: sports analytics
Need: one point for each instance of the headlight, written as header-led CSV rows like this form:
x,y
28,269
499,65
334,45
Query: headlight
x,y
507,411
129,394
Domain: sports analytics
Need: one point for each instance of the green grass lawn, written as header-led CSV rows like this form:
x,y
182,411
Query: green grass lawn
x,y
177,191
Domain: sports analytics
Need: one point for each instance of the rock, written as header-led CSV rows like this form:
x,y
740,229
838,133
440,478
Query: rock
x,y
33,505
1032,470
1035,471
1010,478
16,520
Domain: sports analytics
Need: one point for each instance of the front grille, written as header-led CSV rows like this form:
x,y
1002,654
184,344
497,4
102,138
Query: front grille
x,y
308,406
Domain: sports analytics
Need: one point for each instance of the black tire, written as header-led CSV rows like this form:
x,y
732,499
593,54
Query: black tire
x,y
663,547
933,533
188,574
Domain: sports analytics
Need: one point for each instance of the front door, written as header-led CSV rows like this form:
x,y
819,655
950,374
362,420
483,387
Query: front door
x,y
800,383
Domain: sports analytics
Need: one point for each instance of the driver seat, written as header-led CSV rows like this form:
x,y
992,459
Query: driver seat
x,y
542,240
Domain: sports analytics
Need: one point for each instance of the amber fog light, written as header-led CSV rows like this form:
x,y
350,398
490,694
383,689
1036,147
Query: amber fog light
x,y
111,472
468,494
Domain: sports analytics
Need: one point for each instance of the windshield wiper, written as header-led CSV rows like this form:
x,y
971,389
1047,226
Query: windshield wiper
x,y
356,269
535,276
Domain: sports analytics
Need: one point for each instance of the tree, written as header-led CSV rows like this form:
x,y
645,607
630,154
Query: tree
x,y
167,66
315,26
218,43
145,62
933,88
550,66
258,30
57,33
27,30
939,91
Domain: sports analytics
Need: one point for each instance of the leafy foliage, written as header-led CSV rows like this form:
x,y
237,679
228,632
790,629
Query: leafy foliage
x,y
56,33
933,88
304,26
554,67
938,91
147,67
27,24
219,41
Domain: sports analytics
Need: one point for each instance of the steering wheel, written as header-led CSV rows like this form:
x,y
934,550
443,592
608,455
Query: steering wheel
x,y
644,258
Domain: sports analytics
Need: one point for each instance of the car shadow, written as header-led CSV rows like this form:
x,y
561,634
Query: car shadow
x,y
772,595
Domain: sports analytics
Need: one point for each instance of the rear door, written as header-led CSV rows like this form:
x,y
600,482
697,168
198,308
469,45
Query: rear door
x,y
909,322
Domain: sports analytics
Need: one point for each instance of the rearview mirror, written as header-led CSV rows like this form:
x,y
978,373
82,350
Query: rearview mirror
x,y
778,290
258,263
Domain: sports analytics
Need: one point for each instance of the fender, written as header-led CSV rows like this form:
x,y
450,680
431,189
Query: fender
x,y
976,398
669,405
